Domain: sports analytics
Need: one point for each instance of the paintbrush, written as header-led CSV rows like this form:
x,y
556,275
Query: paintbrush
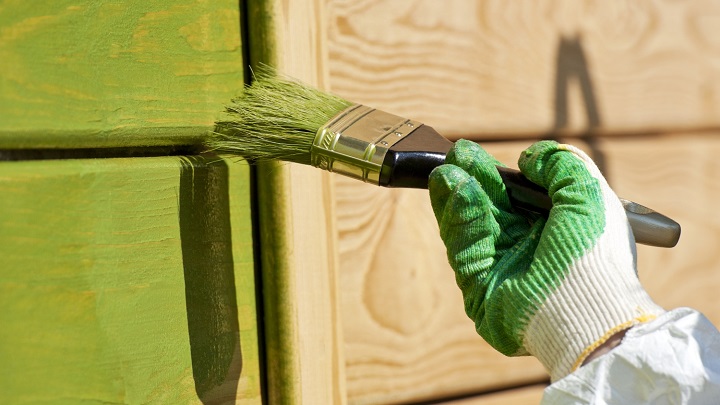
x,y
281,118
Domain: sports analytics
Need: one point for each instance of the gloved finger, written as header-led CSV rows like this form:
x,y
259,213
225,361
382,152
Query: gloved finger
x,y
564,174
467,227
471,235
582,199
565,169
472,158
509,272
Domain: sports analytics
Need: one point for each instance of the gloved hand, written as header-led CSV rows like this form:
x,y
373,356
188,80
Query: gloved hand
x,y
555,288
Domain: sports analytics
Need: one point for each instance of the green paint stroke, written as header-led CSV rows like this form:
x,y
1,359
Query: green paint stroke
x,y
282,357
209,280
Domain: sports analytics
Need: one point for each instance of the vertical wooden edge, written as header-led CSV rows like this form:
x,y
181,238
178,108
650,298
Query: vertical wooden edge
x,y
250,391
304,345
259,21
304,353
315,266
280,328
338,362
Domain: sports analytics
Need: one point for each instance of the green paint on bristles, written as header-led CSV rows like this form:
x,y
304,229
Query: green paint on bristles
x,y
275,118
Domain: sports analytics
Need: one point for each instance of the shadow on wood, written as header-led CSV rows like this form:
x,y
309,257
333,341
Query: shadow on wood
x,y
209,279
572,65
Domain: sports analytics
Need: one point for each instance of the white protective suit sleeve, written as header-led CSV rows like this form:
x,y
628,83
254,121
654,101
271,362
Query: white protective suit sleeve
x,y
674,359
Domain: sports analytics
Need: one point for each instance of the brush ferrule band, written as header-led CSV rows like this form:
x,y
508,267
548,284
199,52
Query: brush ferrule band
x,y
356,140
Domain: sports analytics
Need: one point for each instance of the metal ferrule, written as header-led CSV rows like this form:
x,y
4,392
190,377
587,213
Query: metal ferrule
x,y
356,140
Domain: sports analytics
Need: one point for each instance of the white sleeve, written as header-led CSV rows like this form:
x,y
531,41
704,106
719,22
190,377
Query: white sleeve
x,y
674,359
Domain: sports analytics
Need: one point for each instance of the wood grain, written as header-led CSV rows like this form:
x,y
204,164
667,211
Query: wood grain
x,y
297,226
407,337
78,73
496,69
677,175
127,281
516,396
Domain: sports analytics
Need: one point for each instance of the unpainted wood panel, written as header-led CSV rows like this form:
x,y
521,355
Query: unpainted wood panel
x,y
78,73
407,337
518,396
679,176
127,281
494,69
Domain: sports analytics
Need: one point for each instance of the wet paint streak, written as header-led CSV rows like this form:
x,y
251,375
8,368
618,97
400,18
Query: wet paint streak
x,y
210,292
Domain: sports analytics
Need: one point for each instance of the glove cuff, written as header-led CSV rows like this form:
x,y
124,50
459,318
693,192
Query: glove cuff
x,y
585,310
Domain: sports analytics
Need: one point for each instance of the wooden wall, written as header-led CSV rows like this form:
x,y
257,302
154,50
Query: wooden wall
x,y
634,84
126,258
104,228
496,69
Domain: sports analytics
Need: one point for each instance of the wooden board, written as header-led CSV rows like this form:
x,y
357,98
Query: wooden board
x,y
516,396
407,337
305,363
496,69
79,73
677,175
127,281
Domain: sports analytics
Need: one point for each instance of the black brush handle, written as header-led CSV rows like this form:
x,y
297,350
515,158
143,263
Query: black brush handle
x,y
409,162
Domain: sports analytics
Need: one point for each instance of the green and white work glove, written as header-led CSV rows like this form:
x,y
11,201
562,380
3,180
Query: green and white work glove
x,y
557,288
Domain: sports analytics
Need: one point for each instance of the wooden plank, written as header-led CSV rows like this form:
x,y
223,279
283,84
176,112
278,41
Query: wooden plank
x,y
407,337
297,225
79,73
497,69
677,175
516,396
127,281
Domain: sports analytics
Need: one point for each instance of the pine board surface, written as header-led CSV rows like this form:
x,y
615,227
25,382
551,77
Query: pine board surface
x,y
531,395
677,175
127,281
407,337
496,69
78,73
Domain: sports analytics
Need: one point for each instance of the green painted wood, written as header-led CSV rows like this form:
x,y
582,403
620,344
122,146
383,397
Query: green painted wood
x,y
279,306
127,281
83,73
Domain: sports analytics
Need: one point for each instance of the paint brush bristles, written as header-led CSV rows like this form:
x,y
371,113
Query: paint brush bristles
x,y
275,118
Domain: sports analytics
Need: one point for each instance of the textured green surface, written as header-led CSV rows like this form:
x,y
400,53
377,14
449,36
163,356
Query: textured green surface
x,y
81,73
127,281
282,357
